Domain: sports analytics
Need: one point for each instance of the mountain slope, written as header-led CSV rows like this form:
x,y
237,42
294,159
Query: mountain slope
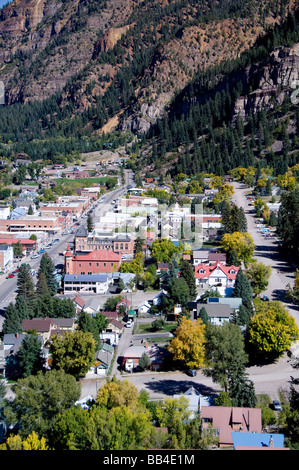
x,y
75,68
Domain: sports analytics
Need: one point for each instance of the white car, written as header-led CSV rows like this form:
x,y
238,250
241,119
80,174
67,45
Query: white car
x,y
34,256
129,324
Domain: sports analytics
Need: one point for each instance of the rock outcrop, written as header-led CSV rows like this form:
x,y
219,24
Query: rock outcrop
x,y
280,76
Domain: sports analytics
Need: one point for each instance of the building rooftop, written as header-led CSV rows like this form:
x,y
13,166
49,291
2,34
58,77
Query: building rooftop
x,y
85,277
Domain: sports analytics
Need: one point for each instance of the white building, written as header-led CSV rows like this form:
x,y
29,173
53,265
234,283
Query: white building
x,y
97,283
4,212
6,258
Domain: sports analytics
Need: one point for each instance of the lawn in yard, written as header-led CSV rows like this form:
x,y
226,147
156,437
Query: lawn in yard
x,y
168,327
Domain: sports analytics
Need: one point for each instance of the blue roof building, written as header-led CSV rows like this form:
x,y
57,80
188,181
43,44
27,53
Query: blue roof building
x,y
258,441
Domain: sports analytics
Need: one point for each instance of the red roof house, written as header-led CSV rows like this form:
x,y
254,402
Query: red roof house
x,y
225,420
216,275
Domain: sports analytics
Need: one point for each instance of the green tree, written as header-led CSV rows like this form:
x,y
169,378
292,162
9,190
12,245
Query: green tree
x,y
272,331
174,414
42,284
203,315
87,323
74,353
288,221
162,250
39,399
111,302
30,355
224,354
187,273
47,267
273,221
25,285
258,275
178,291
243,289
63,308
22,307
138,245
17,249
90,224
12,322
145,361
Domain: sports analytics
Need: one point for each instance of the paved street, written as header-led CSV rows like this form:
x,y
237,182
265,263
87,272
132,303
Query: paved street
x,y
267,379
8,286
267,252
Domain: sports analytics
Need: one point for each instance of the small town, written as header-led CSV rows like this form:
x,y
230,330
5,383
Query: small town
x,y
149,228
168,293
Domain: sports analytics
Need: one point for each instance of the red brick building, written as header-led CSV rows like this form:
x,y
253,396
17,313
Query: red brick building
x,y
119,243
95,262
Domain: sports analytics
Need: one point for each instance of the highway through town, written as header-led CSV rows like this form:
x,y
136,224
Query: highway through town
x,y
8,287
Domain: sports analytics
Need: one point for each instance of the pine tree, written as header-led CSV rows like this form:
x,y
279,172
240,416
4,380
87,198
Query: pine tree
x,y
232,258
242,220
89,223
225,216
30,355
12,323
187,272
47,267
138,246
243,289
25,285
22,307
204,316
42,285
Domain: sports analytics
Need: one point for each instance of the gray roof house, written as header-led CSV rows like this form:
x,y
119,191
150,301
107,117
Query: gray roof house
x,y
217,313
233,302
17,213
104,357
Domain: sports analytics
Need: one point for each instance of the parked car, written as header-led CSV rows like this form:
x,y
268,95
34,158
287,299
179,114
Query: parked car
x,y
10,276
16,271
41,251
277,405
129,324
34,256
192,372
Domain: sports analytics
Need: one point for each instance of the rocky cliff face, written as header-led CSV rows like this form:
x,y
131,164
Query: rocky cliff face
x,y
271,82
63,46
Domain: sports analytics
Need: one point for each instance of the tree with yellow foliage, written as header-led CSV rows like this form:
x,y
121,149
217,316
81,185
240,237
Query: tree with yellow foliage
x,y
188,344
117,393
286,181
241,243
272,330
31,443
